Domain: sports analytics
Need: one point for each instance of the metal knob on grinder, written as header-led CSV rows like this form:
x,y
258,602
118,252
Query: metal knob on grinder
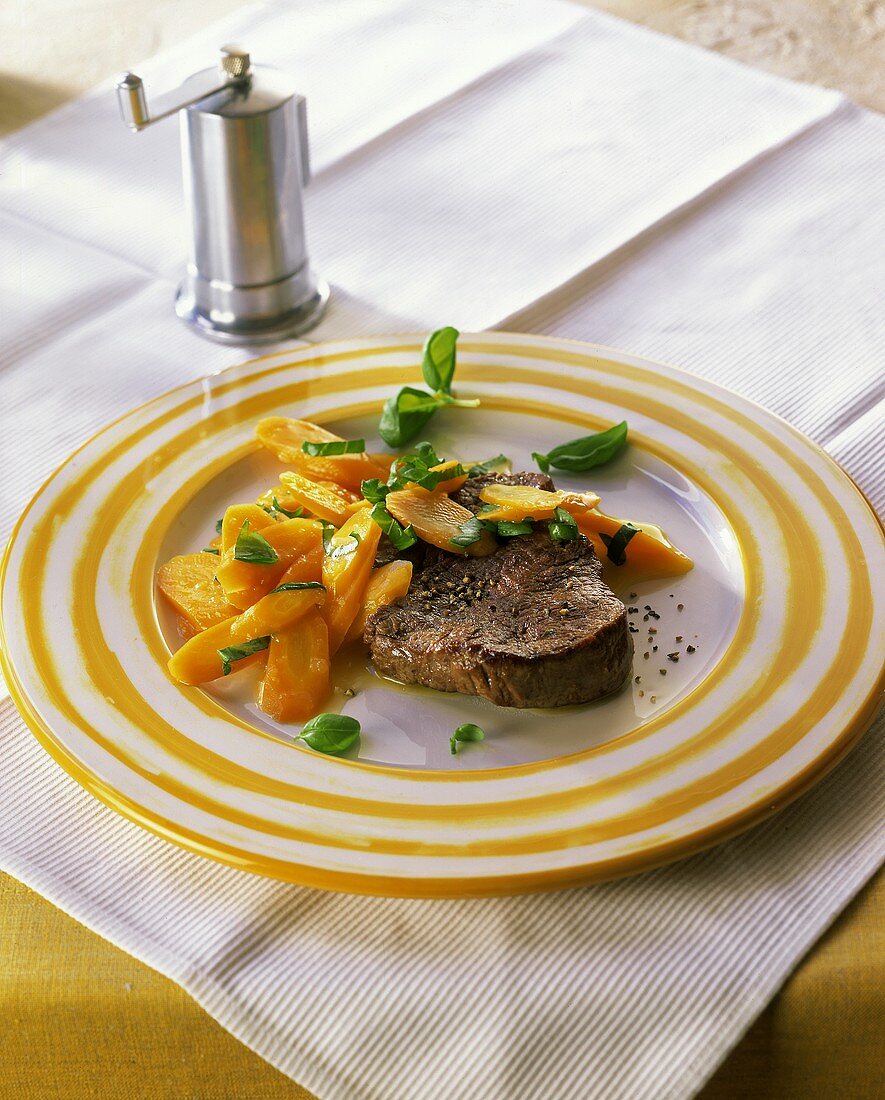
x,y
245,163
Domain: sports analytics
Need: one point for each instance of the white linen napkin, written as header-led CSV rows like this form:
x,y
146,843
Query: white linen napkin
x,y
529,166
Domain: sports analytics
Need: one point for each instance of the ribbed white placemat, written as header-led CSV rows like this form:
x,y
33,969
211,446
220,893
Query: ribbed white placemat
x,y
526,166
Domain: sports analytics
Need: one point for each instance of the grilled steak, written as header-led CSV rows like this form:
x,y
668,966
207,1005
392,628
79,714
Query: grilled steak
x,y
532,625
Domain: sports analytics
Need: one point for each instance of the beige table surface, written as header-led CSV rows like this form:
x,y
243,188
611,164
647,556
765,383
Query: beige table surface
x,y
80,1019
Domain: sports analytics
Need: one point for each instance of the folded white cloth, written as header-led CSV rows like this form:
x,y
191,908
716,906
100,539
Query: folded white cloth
x,y
492,164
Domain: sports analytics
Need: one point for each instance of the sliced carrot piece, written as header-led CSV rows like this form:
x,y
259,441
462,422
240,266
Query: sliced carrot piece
x,y
328,504
296,680
346,570
518,502
292,539
437,519
649,553
284,437
198,660
188,583
236,516
385,585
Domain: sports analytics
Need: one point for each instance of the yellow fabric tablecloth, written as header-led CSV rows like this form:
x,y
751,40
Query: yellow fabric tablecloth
x,y
82,1020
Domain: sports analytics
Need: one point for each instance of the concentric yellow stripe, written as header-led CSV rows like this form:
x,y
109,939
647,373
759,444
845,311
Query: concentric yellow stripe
x,y
658,812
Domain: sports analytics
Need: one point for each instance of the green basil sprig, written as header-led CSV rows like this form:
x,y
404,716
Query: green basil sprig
x,y
616,544
562,527
587,452
406,413
374,490
254,547
401,537
330,733
334,447
233,653
468,732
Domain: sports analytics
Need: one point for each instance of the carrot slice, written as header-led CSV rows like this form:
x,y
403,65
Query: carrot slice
x,y
385,585
437,519
236,516
198,660
285,437
296,680
328,504
346,570
245,582
518,502
649,553
188,583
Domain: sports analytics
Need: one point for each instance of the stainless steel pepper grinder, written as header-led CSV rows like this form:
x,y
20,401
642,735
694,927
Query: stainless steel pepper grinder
x,y
245,160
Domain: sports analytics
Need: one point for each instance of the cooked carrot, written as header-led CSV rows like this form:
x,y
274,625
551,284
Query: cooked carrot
x,y
385,585
284,437
437,519
188,583
329,504
236,516
245,582
198,660
346,570
296,679
518,502
649,553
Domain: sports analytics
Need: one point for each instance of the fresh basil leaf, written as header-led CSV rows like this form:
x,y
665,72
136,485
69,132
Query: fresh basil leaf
x,y
616,544
374,490
508,528
210,550
254,547
490,466
277,507
296,586
401,537
468,732
587,452
405,414
562,527
334,447
219,523
468,533
237,652
438,366
329,532
330,733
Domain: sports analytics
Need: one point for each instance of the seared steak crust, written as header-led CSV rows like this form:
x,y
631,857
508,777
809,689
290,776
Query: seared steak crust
x,y
532,625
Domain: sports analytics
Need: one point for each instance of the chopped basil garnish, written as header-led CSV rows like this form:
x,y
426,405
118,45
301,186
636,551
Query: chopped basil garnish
x,y
374,490
330,733
334,447
469,532
277,507
616,544
238,652
562,527
467,732
490,466
296,586
401,537
585,453
253,547
508,528
219,523
406,413
209,550
417,468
